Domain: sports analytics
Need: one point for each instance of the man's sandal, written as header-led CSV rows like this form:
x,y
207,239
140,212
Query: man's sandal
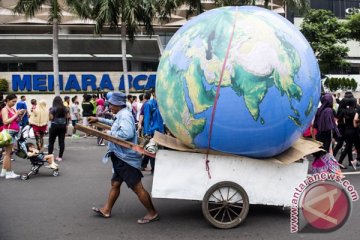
x,y
145,220
100,213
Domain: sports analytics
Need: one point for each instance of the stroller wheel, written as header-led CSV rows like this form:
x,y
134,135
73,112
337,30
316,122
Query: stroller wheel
x,y
24,177
55,173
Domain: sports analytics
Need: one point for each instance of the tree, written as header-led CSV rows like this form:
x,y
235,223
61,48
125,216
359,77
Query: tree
x,y
354,26
300,5
234,2
327,37
130,13
193,5
4,85
344,84
29,8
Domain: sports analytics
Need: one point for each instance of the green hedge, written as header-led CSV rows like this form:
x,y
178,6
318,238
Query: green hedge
x,y
340,84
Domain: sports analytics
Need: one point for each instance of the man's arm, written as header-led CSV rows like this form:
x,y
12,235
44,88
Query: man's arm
x,y
109,122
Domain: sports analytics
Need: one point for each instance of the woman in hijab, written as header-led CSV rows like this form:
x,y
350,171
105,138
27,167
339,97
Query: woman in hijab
x,y
325,121
39,120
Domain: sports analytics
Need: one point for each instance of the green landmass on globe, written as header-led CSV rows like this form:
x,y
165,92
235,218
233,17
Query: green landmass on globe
x,y
207,58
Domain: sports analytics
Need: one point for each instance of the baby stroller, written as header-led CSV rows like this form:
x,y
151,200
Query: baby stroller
x,y
21,152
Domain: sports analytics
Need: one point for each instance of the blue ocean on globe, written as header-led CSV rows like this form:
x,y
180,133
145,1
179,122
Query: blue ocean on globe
x,y
260,66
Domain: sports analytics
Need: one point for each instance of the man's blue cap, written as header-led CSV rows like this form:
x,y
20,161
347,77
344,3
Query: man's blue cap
x,y
118,99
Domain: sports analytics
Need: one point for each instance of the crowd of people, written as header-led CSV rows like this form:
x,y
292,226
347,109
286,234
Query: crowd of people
x,y
336,125
129,116
55,119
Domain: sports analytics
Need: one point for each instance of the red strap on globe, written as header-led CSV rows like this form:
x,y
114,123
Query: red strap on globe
x,y
216,100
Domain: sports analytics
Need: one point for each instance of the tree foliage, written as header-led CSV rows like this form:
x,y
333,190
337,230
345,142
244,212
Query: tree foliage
x,y
130,14
4,85
354,26
327,37
344,84
30,8
234,2
302,6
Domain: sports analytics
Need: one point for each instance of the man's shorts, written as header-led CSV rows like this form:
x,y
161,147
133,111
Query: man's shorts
x,y
123,172
74,122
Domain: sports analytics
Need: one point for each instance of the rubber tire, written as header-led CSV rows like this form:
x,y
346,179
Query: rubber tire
x,y
236,222
55,173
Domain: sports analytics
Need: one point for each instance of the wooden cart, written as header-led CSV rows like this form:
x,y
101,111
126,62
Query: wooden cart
x,y
236,182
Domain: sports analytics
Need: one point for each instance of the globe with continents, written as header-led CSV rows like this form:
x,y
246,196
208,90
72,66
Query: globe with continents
x,y
240,80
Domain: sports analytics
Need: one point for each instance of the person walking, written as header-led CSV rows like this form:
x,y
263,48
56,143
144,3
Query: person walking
x,y
88,109
152,122
126,162
100,112
325,122
351,136
147,97
33,104
74,115
21,105
57,116
67,106
139,106
39,119
343,103
10,119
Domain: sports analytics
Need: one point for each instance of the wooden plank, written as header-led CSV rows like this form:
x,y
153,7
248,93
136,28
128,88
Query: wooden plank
x,y
302,147
118,141
176,144
101,125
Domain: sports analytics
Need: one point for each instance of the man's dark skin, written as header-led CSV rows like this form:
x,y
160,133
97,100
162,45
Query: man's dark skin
x,y
138,189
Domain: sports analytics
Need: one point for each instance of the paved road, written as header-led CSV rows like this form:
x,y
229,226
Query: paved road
x,y
47,207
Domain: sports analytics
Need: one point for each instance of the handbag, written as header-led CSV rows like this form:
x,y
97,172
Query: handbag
x,y
151,147
5,138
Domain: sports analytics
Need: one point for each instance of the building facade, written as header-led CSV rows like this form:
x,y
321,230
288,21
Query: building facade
x,y
88,61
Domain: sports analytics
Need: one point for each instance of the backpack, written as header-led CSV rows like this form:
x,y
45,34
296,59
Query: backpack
x,y
349,113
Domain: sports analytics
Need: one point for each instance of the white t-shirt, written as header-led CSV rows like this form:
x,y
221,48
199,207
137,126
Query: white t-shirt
x,y
138,110
128,105
74,111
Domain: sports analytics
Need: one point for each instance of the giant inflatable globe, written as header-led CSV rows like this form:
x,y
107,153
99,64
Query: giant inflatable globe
x,y
240,80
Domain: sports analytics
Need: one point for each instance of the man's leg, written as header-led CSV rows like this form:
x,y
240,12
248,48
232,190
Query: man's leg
x,y
113,196
52,138
145,162
37,139
152,164
145,199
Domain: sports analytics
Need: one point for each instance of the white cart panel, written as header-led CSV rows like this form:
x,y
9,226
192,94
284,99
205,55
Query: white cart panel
x,y
182,175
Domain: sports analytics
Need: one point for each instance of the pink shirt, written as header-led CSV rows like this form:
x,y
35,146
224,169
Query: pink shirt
x,y
14,124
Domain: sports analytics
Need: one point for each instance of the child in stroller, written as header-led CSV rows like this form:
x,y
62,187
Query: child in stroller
x,y
37,158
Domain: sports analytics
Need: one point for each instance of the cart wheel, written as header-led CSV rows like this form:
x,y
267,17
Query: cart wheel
x,y
55,173
24,177
225,205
